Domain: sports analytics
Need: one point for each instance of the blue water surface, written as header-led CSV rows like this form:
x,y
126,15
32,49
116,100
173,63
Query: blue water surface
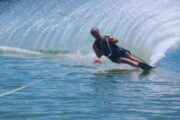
x,y
50,87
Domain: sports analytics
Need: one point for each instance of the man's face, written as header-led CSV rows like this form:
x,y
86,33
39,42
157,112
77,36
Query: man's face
x,y
95,34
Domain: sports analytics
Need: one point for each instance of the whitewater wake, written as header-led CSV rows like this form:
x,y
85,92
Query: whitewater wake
x,y
12,50
66,54
147,28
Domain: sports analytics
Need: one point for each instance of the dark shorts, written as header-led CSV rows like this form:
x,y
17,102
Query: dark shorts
x,y
118,54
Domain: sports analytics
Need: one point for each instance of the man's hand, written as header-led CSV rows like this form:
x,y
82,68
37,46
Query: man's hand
x,y
112,39
97,61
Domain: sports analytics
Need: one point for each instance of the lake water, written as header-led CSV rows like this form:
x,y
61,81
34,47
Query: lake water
x,y
46,60
72,87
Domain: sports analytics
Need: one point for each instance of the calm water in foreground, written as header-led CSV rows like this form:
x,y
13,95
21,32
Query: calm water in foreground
x,y
63,88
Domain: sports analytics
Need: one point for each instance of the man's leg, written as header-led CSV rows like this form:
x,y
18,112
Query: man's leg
x,y
128,61
129,56
143,66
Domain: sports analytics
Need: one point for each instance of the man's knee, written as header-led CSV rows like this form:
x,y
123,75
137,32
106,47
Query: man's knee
x,y
124,60
127,55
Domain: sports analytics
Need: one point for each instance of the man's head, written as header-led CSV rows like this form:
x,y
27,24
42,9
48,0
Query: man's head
x,y
95,32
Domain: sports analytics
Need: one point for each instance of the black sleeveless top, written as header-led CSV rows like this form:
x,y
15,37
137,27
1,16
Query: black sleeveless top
x,y
106,49
110,50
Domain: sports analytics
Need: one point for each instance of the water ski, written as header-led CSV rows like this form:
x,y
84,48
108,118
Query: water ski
x,y
145,66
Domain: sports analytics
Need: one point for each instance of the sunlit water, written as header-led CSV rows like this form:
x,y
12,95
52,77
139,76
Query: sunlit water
x,y
46,60
63,87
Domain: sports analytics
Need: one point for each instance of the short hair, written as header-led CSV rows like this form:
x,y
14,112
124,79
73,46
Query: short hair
x,y
94,29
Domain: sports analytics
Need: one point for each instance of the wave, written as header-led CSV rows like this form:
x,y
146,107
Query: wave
x,y
147,28
75,55
12,50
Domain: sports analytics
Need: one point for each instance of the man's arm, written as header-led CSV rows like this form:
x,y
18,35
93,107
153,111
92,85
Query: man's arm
x,y
97,51
112,39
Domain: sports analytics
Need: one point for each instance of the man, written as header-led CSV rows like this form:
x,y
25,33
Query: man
x,y
106,45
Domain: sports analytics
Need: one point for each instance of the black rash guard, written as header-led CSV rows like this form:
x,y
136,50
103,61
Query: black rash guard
x,y
112,51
